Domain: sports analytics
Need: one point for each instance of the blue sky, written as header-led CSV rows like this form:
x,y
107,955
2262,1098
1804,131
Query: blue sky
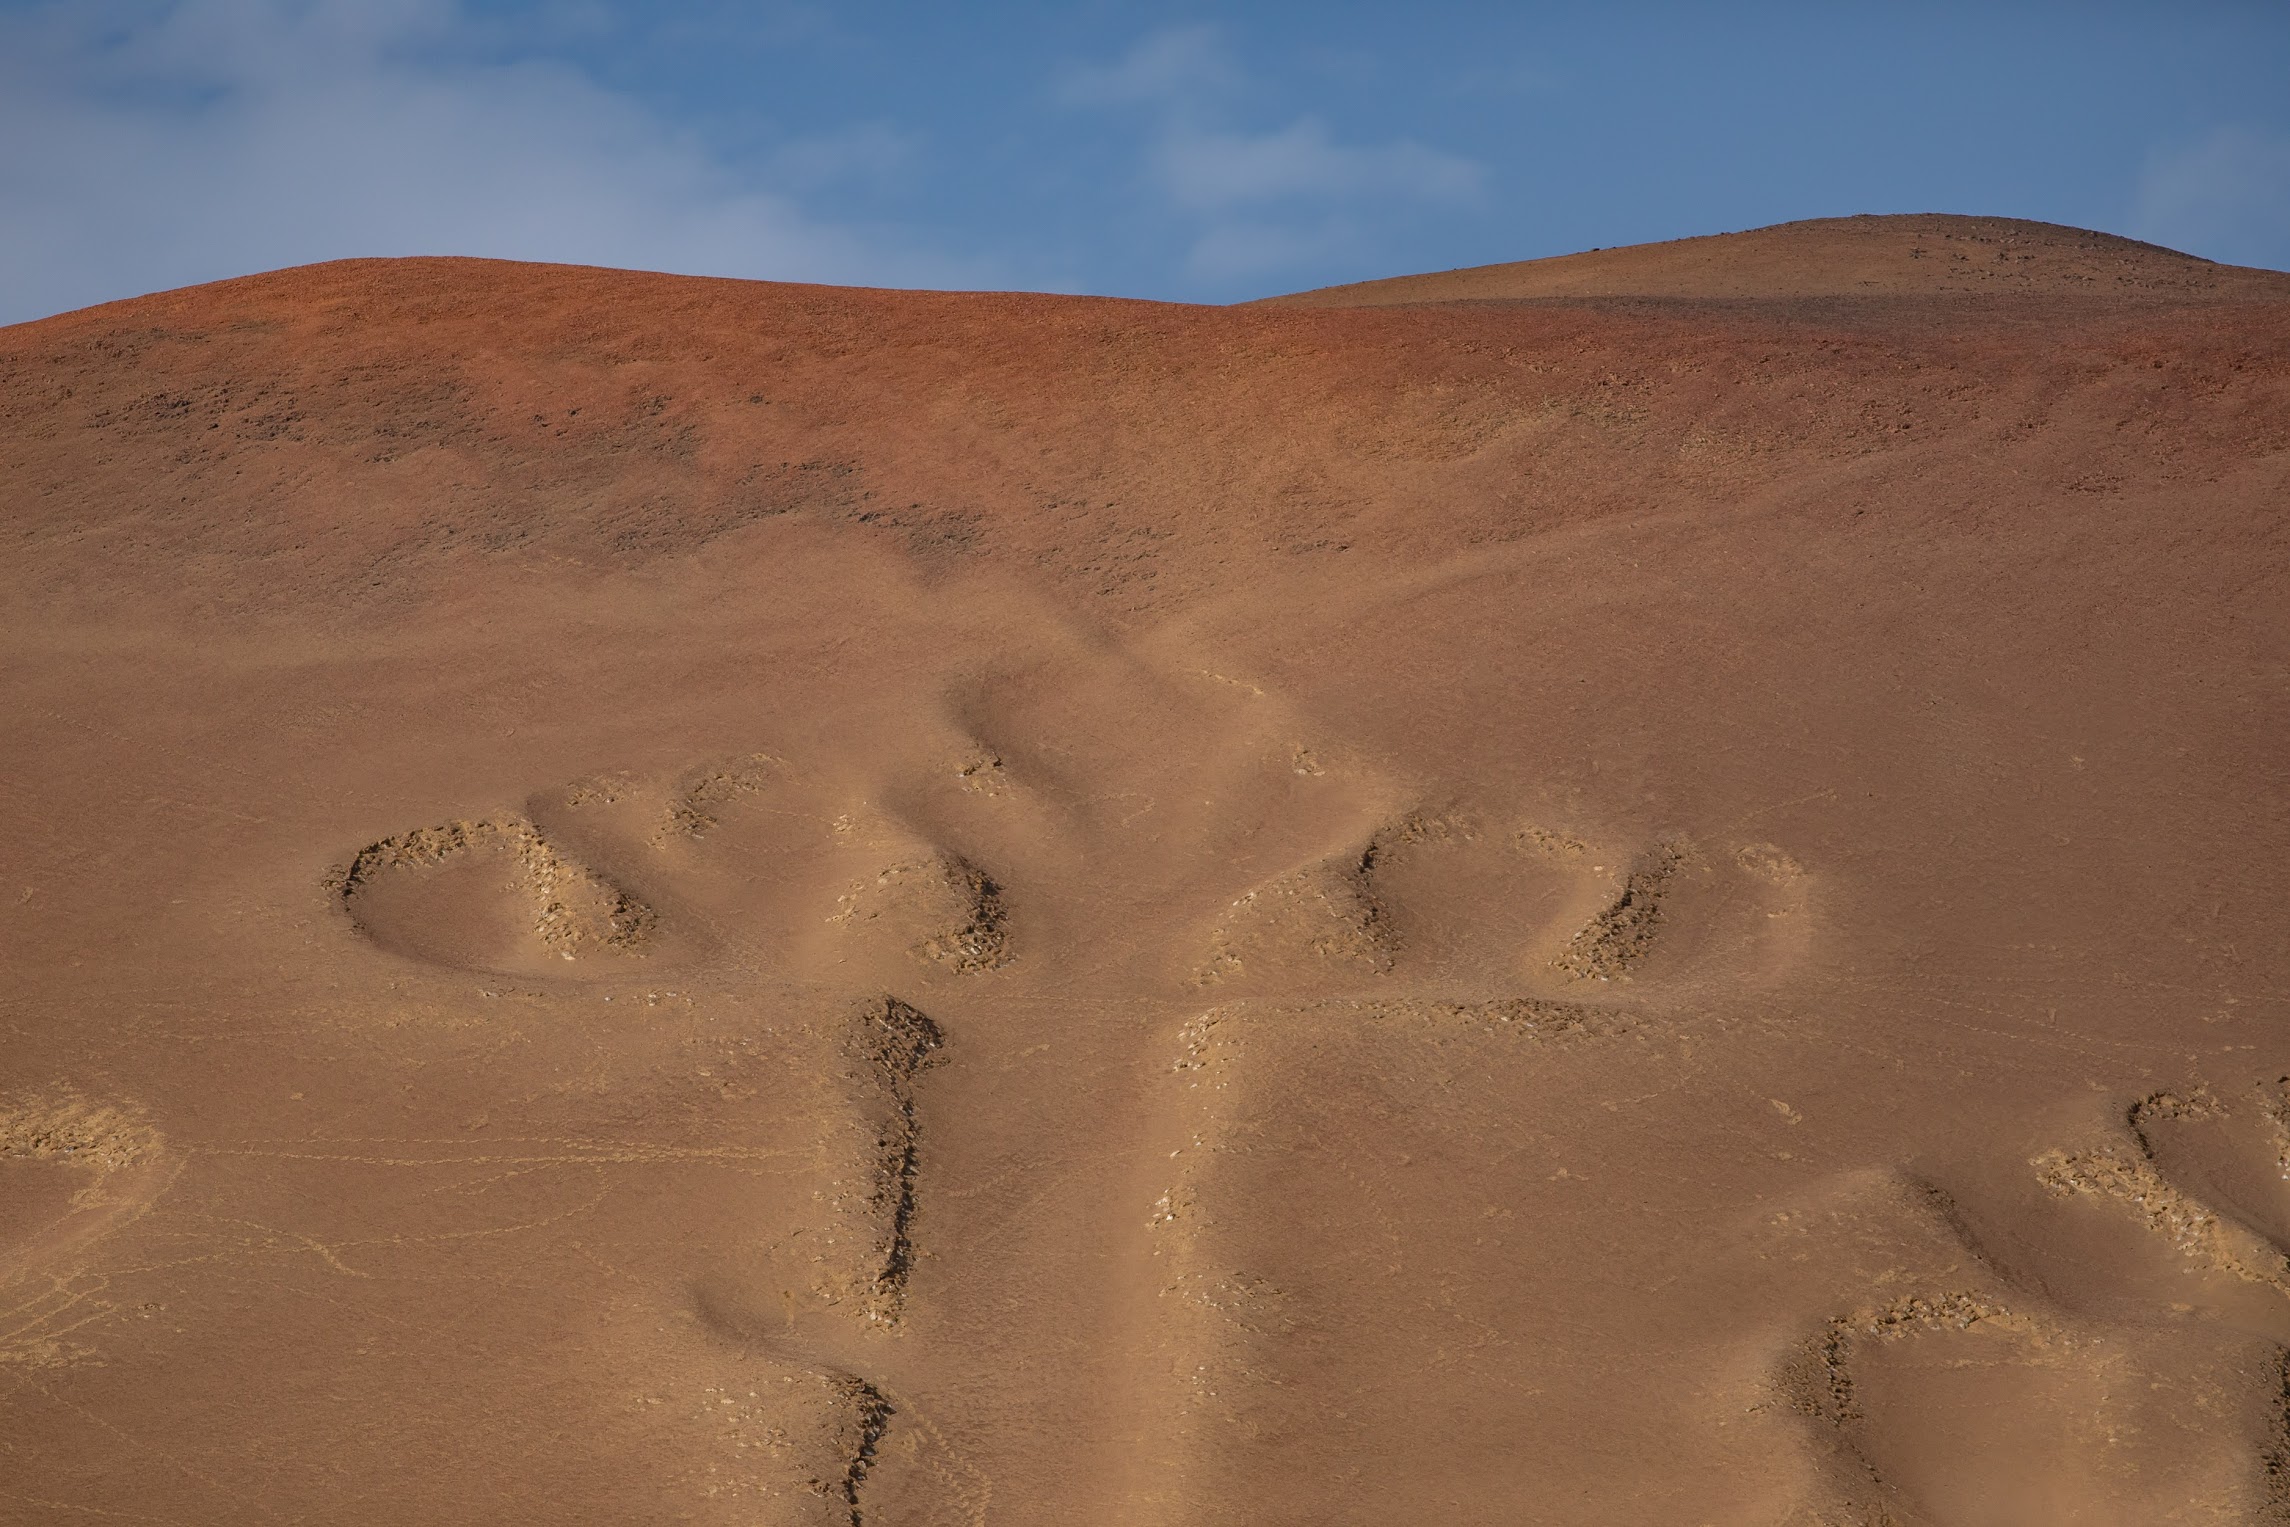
x,y
1201,153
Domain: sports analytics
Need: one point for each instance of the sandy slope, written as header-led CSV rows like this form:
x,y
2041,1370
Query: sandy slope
x,y
641,900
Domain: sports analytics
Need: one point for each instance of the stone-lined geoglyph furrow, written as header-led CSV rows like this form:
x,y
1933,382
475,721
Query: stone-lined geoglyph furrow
x,y
1623,932
697,806
1327,909
866,1416
1823,1385
2125,1172
120,1165
957,906
63,1126
574,907
892,1043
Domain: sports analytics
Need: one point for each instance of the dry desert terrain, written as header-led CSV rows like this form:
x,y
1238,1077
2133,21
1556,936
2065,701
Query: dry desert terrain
x,y
1640,889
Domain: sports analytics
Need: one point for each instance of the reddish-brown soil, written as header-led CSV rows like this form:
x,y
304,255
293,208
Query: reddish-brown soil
x,y
1905,256
1640,889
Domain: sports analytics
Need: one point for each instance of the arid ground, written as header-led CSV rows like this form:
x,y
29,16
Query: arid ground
x,y
1644,889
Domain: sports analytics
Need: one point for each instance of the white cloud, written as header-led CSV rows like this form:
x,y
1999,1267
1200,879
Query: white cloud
x,y
2226,198
1264,200
142,150
1210,171
1170,65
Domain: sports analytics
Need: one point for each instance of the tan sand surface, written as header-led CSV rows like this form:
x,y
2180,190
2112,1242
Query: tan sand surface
x,y
642,900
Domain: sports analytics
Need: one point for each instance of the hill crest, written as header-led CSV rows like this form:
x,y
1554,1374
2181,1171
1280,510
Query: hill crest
x,y
1898,255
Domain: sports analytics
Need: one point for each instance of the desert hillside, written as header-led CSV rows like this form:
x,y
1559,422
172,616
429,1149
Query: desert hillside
x,y
1900,256
634,899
